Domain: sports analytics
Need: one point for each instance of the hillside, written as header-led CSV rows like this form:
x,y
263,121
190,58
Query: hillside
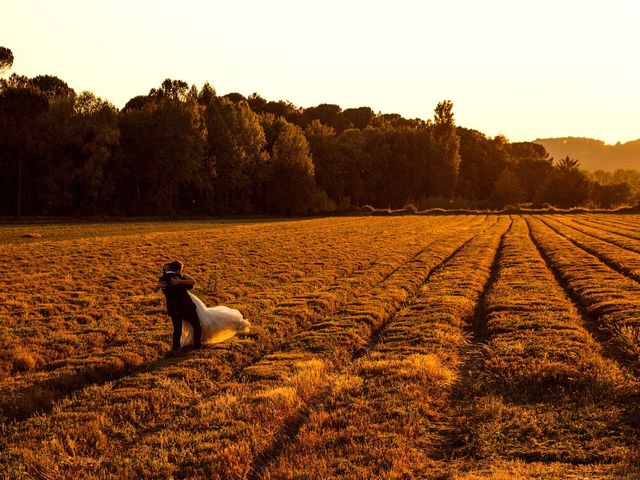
x,y
594,154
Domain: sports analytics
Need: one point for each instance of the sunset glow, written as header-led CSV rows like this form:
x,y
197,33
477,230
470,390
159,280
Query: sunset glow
x,y
529,70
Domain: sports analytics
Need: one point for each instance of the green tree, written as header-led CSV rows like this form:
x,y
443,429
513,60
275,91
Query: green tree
x,y
507,190
612,195
75,142
328,162
176,90
602,177
356,167
532,174
236,151
444,156
631,177
532,166
95,136
20,110
290,186
235,97
567,186
286,110
162,149
402,159
257,103
482,160
374,166
51,86
395,120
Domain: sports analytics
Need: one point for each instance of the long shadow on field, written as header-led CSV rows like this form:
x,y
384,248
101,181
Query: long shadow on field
x,y
40,395
451,441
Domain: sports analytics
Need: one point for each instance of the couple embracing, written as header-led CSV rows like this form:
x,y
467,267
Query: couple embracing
x,y
193,322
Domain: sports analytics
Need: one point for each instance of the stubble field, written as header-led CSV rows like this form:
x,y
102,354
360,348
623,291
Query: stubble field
x,y
462,347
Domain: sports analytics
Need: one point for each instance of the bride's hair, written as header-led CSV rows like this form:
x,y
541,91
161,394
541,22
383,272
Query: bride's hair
x,y
175,266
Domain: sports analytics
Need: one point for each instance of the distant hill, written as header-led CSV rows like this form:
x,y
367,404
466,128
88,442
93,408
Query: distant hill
x,y
594,154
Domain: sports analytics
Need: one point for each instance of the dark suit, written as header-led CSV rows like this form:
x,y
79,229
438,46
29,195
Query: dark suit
x,y
180,307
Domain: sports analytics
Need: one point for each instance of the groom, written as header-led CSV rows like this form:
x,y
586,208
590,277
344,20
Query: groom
x,y
180,307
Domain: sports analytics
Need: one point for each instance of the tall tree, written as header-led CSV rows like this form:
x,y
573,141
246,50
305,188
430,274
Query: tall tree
x,y
236,149
356,167
94,137
171,89
401,166
482,160
567,186
290,187
162,148
75,142
328,162
444,156
51,86
20,111
507,190
532,166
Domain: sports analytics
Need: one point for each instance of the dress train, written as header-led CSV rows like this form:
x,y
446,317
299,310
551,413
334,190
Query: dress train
x,y
218,323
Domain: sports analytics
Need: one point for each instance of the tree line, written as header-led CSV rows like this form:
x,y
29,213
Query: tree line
x,y
189,151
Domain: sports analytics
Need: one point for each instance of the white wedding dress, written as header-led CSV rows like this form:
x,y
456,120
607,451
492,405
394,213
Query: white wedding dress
x,y
218,323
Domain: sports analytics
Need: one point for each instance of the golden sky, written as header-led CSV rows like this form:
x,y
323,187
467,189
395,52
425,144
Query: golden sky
x,y
522,69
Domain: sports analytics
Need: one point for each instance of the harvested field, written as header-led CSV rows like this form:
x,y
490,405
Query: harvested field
x,y
463,347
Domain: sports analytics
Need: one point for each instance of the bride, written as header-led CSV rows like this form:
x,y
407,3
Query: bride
x,y
218,323
213,324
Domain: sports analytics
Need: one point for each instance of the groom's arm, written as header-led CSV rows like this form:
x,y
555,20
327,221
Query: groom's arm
x,y
162,283
186,280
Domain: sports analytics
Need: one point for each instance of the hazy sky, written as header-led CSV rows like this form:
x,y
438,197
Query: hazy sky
x,y
522,69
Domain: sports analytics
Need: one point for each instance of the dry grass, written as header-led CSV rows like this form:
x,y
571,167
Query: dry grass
x,y
387,347
544,391
624,238
608,224
391,423
611,299
620,253
273,274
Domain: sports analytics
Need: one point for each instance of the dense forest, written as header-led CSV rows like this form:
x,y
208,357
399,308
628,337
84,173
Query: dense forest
x,y
189,151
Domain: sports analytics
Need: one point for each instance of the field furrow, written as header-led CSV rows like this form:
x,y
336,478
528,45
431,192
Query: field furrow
x,y
613,238
621,229
21,396
71,301
266,387
543,391
611,300
120,407
625,221
417,347
620,259
381,415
